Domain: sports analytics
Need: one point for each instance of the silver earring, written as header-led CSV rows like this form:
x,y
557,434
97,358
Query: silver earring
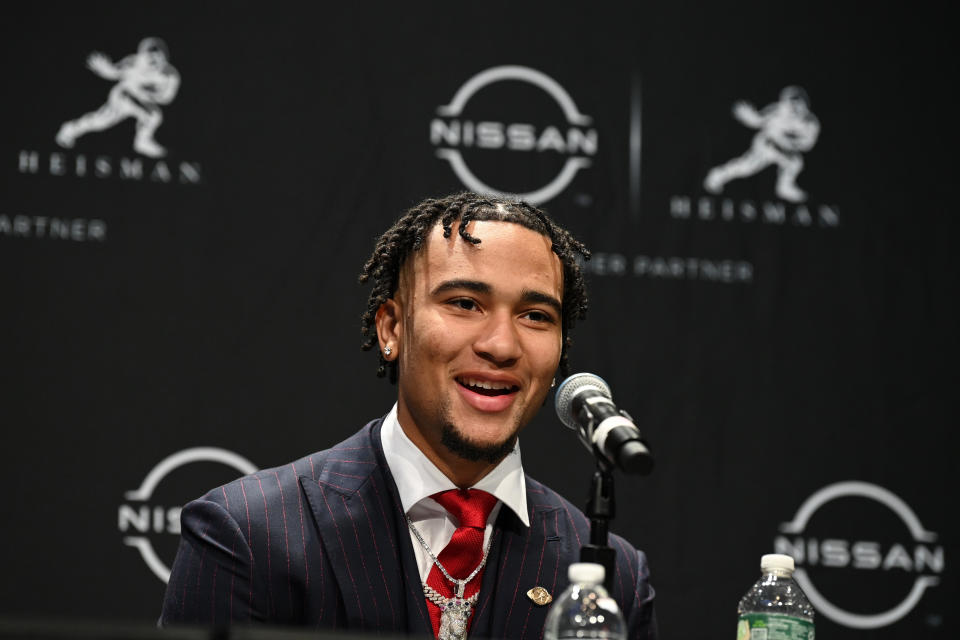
x,y
387,351
554,383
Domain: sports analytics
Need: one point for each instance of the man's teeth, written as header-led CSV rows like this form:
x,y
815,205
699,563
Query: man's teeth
x,y
484,384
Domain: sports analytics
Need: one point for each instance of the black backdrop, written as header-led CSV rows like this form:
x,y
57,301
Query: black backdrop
x,y
769,348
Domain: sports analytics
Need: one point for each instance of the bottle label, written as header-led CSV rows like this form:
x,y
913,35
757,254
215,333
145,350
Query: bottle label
x,y
773,626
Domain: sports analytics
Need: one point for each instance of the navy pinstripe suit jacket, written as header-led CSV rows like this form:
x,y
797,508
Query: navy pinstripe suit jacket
x,y
323,542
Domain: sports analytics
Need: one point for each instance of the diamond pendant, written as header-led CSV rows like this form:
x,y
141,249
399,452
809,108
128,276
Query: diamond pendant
x,y
454,619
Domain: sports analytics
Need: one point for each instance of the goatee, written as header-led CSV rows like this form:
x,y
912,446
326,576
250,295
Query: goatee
x,y
459,445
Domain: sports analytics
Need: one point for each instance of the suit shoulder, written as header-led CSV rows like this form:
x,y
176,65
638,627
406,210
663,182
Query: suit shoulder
x,y
276,484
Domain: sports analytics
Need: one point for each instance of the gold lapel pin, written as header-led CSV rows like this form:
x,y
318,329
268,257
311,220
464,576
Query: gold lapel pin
x,y
540,596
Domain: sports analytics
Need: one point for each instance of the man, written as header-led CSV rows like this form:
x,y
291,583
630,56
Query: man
x,y
423,522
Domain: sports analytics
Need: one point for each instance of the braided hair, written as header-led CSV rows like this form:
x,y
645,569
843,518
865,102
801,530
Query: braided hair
x,y
409,233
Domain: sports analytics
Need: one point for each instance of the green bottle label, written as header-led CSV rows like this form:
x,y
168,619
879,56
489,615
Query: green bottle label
x,y
773,626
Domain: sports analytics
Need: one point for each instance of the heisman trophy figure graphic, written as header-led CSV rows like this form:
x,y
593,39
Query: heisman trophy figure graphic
x,y
145,80
787,128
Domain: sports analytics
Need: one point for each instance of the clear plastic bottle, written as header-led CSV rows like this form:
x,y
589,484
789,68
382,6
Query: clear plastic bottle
x,y
585,609
775,608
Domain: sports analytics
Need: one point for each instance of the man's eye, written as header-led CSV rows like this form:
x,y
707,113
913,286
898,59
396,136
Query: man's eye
x,y
539,316
464,303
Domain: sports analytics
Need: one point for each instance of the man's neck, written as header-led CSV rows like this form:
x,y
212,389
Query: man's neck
x,y
461,472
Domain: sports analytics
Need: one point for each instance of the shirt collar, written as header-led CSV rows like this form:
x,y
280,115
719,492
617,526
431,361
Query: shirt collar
x,y
418,478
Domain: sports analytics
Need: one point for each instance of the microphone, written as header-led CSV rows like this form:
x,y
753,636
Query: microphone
x,y
584,403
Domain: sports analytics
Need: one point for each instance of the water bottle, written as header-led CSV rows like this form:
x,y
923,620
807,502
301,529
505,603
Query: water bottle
x,y
585,609
775,608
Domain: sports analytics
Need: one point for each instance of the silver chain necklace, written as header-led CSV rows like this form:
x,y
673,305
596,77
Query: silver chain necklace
x,y
455,611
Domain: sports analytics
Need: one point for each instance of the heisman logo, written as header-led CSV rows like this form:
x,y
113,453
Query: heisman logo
x,y
919,559
145,80
151,518
451,134
786,129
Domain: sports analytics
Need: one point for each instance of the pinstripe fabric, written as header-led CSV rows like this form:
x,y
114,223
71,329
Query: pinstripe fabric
x,y
322,542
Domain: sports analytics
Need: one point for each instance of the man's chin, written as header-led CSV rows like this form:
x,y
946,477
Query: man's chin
x,y
461,446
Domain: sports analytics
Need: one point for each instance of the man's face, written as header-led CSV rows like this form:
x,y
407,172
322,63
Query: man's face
x,y
477,335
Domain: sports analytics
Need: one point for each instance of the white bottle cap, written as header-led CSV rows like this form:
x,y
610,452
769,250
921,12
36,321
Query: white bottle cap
x,y
586,572
776,561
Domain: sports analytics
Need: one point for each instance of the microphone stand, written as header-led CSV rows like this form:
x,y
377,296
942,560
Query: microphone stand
x,y
601,507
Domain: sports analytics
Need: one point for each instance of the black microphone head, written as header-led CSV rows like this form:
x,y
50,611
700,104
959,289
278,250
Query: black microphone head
x,y
635,458
570,388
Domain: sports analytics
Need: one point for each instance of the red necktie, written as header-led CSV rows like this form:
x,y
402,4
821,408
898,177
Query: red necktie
x,y
470,508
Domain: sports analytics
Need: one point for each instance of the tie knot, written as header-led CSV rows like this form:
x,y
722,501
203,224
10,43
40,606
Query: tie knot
x,y
471,507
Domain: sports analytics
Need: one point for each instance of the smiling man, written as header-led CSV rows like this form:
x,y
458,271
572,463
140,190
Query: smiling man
x,y
476,330
424,522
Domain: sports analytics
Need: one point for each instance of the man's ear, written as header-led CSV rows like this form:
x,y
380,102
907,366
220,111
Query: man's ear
x,y
389,321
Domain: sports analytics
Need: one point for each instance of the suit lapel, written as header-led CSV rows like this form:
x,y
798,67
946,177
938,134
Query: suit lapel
x,y
522,558
418,618
355,506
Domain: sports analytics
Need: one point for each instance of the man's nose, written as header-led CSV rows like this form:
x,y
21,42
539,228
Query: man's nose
x,y
499,340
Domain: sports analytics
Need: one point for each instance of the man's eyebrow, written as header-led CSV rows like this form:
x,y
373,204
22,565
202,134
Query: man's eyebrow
x,y
530,295
469,285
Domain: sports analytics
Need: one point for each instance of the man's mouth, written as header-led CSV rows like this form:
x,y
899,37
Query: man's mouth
x,y
487,387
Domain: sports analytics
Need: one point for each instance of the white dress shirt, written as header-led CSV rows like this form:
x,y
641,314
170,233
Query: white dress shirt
x,y
417,478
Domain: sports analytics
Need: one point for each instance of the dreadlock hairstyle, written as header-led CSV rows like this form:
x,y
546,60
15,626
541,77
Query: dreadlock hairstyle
x,y
409,233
